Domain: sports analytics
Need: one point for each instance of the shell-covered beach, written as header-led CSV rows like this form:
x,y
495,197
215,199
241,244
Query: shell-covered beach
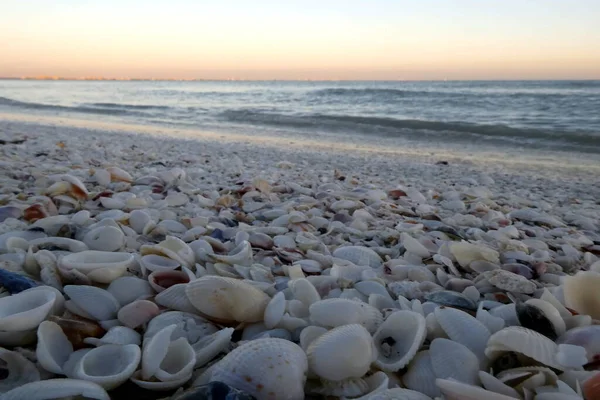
x,y
138,264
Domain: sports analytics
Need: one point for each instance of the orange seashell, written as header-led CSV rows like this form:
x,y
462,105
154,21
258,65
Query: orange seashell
x,y
77,330
591,388
161,280
35,212
396,194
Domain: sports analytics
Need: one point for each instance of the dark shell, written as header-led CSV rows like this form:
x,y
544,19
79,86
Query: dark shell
x,y
14,282
213,391
451,299
533,318
505,362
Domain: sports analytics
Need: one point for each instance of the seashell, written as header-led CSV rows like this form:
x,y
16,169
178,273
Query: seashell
x,y
173,248
591,387
304,290
104,238
580,291
493,384
358,255
119,175
342,353
226,299
155,385
109,366
177,363
451,299
523,341
161,280
249,368
464,329
53,243
571,356
492,323
187,325
209,346
309,334
57,389
76,330
453,360
414,246
137,313
420,375
331,313
465,253
396,394
241,255
18,371
25,310
99,304
542,317
509,281
398,339
53,347
175,298
275,310
127,289
116,335
99,266
138,219
454,390
586,337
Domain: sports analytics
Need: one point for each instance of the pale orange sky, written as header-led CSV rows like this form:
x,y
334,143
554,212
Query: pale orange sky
x,y
268,39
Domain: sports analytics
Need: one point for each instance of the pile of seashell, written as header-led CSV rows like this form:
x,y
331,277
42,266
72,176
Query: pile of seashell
x,y
281,290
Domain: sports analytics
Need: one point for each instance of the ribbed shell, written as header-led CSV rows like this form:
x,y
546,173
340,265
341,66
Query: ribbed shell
x,y
454,390
421,376
341,353
268,369
227,299
452,360
96,302
331,313
464,329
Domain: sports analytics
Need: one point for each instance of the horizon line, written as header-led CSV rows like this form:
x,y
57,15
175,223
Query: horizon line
x,y
127,79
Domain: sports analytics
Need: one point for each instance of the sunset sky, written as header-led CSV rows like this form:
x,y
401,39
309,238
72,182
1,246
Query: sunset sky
x,y
309,39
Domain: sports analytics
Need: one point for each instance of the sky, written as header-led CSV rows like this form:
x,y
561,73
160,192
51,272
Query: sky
x,y
310,39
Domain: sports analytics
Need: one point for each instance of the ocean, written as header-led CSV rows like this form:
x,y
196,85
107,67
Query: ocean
x,y
553,115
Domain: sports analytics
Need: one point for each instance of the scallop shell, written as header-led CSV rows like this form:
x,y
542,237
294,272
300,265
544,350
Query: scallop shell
x,y
227,299
53,347
454,390
99,266
523,341
331,313
57,389
20,371
542,317
455,361
342,353
358,255
398,339
268,369
464,329
420,375
25,310
96,303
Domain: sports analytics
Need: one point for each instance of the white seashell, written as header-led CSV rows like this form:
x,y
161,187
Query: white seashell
x,y
59,303
104,238
241,255
210,346
25,310
464,329
358,255
176,199
493,384
175,299
507,312
57,389
297,309
129,288
155,350
116,335
331,313
524,341
138,219
309,334
74,246
119,175
381,302
414,246
550,298
112,203
420,375
396,394
581,293
227,299
454,390
95,302
342,353
173,248
53,347
99,266
398,339
571,356
304,290
465,253
275,310
187,325
137,313
493,324
20,371
158,386
451,359
178,362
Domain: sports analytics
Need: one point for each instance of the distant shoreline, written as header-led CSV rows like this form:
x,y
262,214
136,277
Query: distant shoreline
x,y
71,79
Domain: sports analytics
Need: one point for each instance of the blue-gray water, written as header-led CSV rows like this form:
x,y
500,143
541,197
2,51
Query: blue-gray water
x,y
558,115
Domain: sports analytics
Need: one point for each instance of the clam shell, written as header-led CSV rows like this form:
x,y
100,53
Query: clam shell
x,y
20,371
265,368
190,326
26,310
587,337
542,317
275,310
358,255
155,350
241,255
304,290
341,353
99,266
57,389
104,238
454,390
227,299
173,248
96,303
127,289
53,347
161,280
421,376
154,262
116,335
464,329
178,362
210,346
331,313
397,394
175,299
137,313
109,366
155,385
455,361
398,339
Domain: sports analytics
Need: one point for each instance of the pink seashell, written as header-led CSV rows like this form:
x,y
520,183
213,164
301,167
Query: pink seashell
x,y
161,280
